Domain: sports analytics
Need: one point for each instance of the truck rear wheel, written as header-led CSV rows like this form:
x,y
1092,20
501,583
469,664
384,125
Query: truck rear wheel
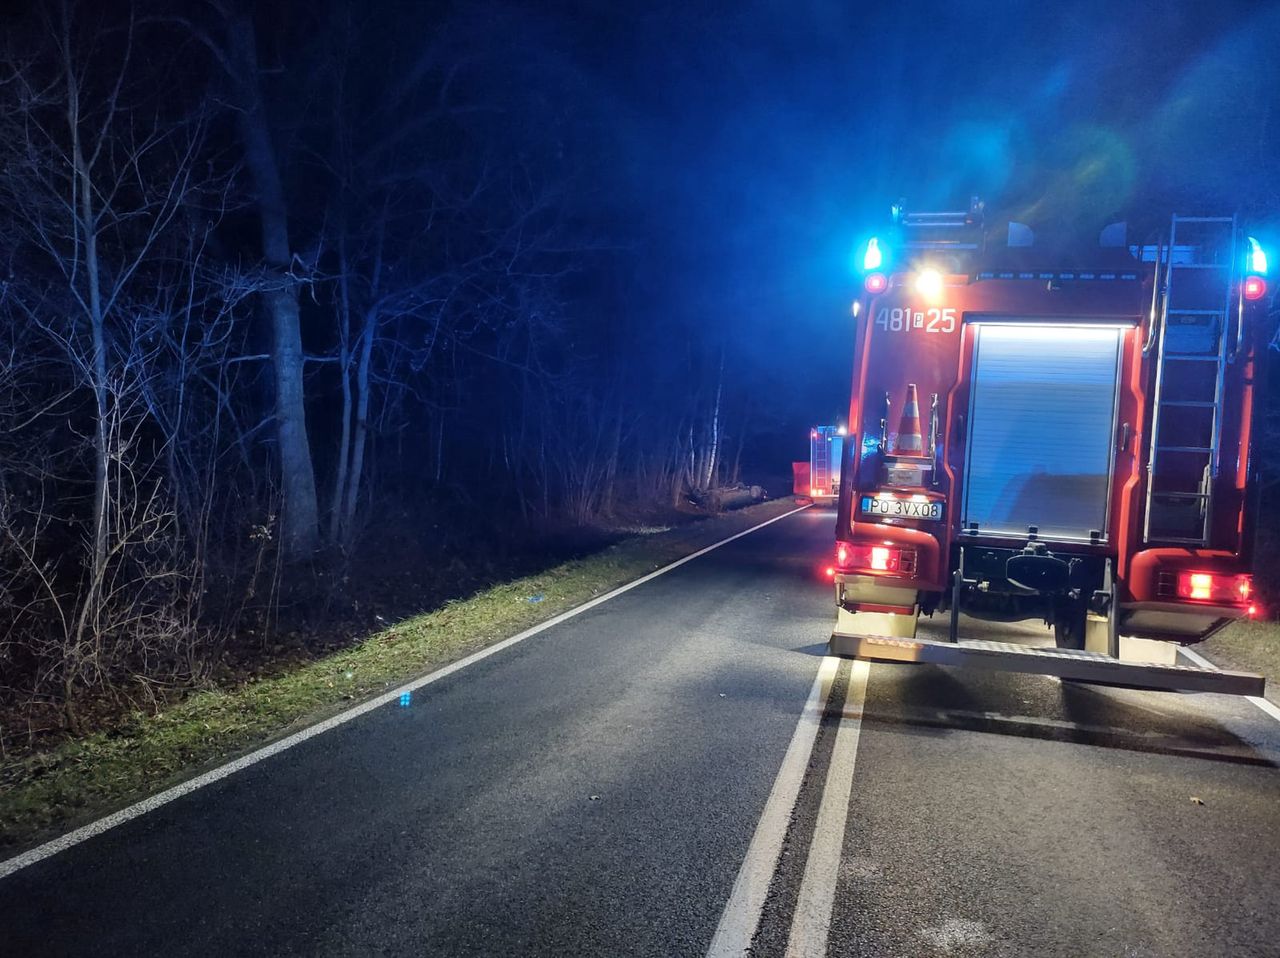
x,y
1070,614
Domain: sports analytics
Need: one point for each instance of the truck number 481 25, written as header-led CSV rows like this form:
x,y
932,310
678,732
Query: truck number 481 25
x,y
903,320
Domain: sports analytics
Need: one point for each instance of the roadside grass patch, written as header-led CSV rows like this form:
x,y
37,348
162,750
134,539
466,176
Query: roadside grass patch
x,y
81,779
1249,646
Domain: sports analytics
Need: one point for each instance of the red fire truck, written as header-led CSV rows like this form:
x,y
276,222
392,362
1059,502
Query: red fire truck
x,y
819,478
1052,431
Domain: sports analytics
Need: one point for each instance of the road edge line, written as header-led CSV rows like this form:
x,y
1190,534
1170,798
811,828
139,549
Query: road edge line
x,y
149,804
741,915
1266,705
811,920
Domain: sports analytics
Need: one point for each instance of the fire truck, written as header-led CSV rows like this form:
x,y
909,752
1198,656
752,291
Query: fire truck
x,y
1058,431
819,478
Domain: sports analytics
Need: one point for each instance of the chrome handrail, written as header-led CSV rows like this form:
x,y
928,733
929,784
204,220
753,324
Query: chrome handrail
x,y
884,424
1239,309
933,438
1156,318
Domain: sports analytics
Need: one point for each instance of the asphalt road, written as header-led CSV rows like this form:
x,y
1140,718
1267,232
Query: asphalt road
x,y
596,789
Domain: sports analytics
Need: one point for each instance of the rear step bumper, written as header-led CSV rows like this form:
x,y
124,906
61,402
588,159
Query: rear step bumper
x,y
1064,663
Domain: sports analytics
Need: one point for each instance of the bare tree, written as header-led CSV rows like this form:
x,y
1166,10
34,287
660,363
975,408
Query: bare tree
x,y
233,42
97,172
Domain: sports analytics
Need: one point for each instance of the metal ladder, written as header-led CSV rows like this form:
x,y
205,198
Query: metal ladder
x,y
1191,359
821,469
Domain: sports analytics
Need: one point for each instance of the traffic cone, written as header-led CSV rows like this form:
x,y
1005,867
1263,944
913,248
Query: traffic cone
x,y
910,440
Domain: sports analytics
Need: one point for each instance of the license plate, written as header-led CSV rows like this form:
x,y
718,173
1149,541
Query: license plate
x,y
899,507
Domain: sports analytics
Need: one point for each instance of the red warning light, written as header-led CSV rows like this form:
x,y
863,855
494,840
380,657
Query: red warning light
x,y
1210,587
878,283
874,559
1255,287
1199,585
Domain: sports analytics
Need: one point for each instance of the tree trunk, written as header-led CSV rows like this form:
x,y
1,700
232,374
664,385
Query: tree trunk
x,y
439,448
736,476
609,497
301,521
360,439
87,228
336,510
713,456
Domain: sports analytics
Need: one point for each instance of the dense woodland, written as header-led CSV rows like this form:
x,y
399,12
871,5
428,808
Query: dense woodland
x,y
301,303
285,300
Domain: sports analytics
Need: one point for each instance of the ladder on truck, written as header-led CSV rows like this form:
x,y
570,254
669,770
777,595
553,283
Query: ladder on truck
x,y
1192,353
820,470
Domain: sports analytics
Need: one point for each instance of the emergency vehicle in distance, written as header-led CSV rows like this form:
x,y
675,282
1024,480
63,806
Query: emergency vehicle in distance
x,y
1058,432
819,478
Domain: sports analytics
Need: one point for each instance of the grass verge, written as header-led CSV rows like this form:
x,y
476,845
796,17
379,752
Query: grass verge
x,y
1250,647
79,780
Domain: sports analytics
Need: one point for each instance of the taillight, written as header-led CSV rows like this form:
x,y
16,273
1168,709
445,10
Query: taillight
x,y
1255,287
1212,587
873,558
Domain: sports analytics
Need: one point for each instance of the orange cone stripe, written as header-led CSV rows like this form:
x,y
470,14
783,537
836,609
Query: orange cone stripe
x,y
910,440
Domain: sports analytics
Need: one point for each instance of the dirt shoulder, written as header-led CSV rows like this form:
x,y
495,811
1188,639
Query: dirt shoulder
x,y
79,780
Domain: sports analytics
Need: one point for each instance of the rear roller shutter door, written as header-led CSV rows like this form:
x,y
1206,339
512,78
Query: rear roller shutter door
x,y
1042,420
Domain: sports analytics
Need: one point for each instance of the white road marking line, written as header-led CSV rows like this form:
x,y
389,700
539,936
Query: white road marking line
x,y
812,919
1264,704
741,914
151,803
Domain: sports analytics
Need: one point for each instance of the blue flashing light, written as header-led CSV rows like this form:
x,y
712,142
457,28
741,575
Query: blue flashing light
x,y
405,699
873,258
1257,257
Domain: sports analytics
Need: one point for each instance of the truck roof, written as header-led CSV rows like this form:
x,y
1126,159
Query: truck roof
x,y
974,241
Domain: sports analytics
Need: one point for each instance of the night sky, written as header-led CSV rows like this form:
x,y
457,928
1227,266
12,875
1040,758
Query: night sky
x,y
752,146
